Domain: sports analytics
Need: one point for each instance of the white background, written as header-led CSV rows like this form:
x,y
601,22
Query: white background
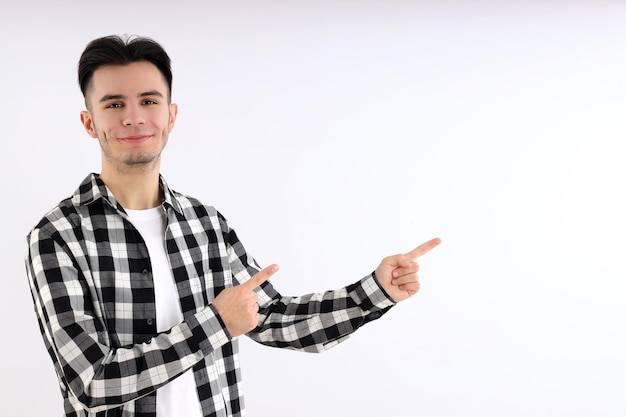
x,y
333,133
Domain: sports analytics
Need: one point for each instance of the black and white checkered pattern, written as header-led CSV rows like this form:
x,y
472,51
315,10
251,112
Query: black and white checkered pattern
x,y
91,282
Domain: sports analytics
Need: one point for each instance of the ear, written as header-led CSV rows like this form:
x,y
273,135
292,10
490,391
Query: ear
x,y
173,114
88,124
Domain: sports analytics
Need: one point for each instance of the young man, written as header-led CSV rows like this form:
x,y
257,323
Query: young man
x,y
141,292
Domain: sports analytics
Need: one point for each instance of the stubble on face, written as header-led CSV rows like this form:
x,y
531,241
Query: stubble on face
x,y
130,161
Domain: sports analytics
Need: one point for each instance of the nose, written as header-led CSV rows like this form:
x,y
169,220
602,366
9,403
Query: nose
x,y
133,115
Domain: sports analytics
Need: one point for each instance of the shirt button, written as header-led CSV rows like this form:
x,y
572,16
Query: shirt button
x,y
149,321
145,272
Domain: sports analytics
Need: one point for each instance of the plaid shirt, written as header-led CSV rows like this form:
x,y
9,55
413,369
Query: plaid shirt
x,y
92,288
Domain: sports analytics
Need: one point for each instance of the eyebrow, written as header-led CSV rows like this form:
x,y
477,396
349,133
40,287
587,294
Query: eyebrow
x,y
149,93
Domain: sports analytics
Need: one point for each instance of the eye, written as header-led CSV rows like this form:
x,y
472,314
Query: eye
x,y
114,106
149,102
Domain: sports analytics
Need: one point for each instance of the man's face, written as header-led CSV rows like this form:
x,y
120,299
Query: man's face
x,y
129,113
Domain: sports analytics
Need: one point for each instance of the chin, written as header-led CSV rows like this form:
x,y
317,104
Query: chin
x,y
141,160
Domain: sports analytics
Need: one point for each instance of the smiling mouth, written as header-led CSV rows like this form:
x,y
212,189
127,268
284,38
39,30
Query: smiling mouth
x,y
136,138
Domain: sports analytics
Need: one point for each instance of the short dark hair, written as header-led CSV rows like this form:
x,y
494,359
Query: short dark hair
x,y
113,50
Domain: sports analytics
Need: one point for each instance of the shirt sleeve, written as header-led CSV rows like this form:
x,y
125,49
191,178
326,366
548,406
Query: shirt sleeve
x,y
312,322
98,376
318,322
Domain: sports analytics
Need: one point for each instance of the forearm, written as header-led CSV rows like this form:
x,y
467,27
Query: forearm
x,y
101,377
128,373
317,322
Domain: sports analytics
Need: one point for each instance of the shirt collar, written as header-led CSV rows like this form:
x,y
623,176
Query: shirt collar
x,y
93,189
169,196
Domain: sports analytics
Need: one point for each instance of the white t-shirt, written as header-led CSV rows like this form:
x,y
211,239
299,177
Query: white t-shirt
x,y
179,397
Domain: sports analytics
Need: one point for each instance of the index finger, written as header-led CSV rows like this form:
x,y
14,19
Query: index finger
x,y
423,248
260,277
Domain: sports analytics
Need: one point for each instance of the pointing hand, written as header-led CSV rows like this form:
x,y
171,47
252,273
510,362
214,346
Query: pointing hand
x,y
237,306
397,274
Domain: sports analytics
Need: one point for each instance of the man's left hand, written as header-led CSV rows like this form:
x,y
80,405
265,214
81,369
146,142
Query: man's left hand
x,y
397,274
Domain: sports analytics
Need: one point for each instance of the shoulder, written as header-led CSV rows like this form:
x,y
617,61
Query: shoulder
x,y
61,217
192,207
65,215
55,231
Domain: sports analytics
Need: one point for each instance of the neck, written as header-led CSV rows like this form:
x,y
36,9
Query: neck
x,y
136,189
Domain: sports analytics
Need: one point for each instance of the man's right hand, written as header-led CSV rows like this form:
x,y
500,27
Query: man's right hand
x,y
237,306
